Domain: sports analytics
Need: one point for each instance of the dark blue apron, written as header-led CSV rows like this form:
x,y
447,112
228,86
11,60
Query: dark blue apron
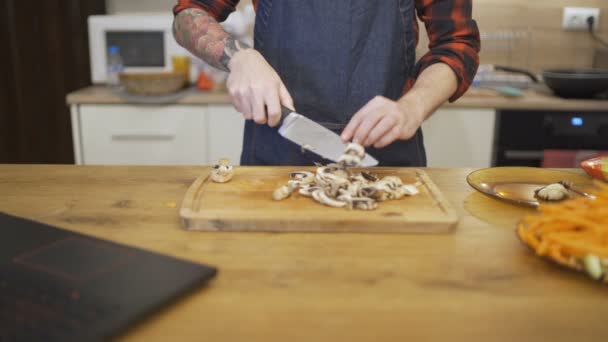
x,y
334,56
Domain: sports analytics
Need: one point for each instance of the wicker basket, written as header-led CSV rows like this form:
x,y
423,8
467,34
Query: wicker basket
x,y
152,83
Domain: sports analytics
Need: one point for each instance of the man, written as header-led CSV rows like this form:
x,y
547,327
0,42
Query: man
x,y
347,64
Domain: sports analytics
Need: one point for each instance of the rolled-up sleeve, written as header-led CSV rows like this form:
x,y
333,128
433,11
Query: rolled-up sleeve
x,y
453,39
218,9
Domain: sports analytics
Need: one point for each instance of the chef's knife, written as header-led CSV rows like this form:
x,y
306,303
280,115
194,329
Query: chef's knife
x,y
315,138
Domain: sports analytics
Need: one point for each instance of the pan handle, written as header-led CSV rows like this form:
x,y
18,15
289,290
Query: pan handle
x,y
517,71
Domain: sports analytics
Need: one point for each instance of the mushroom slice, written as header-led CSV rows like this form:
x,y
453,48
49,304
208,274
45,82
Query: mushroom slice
x,y
307,190
222,172
303,176
345,196
282,193
355,150
364,203
327,178
295,184
357,178
353,189
368,191
370,177
410,189
320,196
385,195
392,181
349,160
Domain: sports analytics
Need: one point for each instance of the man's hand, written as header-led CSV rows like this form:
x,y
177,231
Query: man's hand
x,y
382,121
256,89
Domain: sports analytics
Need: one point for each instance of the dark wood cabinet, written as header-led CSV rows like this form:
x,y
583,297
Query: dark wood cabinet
x,y
45,56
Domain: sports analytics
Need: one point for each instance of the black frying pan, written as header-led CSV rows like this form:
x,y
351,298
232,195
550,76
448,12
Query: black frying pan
x,y
577,83
570,83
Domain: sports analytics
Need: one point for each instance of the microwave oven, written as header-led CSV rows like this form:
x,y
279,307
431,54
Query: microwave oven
x,y
146,43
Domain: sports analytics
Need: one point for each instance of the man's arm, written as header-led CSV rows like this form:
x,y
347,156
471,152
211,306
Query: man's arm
x,y
202,35
255,88
444,73
453,39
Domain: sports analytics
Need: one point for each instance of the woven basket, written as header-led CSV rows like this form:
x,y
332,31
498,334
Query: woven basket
x,y
152,83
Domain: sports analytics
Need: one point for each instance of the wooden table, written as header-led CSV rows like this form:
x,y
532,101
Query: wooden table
x,y
478,284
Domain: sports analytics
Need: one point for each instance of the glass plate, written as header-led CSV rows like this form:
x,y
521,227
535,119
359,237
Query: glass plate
x,y
517,184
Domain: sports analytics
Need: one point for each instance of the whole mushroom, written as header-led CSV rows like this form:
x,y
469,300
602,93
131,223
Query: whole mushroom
x,y
222,172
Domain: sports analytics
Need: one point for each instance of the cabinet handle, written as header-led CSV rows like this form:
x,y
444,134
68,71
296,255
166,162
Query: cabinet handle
x,y
143,136
518,154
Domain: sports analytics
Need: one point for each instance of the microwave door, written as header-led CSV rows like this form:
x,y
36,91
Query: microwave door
x,y
139,49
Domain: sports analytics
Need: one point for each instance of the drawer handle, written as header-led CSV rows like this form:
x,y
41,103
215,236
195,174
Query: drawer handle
x,y
516,154
143,136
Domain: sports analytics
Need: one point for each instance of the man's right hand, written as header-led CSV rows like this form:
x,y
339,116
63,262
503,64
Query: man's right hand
x,y
256,89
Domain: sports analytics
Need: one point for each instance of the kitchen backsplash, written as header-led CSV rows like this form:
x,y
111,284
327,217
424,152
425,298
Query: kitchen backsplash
x,y
532,36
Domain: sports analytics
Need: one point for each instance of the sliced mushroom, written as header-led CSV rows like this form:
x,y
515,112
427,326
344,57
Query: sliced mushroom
x,y
307,190
325,177
349,160
410,190
282,193
392,181
295,184
356,150
368,191
320,196
364,203
303,176
346,197
370,177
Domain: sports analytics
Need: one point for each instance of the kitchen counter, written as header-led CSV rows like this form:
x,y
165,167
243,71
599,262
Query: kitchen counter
x,y
477,284
475,98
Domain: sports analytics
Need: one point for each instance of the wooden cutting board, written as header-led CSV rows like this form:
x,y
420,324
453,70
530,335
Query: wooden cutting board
x,y
246,204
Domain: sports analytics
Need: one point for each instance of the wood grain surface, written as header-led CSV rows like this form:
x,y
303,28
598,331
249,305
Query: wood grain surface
x,y
478,284
245,204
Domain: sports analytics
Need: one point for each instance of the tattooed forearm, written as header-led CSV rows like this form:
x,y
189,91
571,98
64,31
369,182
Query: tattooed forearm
x,y
202,35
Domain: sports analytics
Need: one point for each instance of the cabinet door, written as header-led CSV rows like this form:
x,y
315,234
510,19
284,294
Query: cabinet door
x,y
460,138
143,135
225,133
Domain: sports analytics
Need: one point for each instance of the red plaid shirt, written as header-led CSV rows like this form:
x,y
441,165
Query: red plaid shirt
x,y
453,34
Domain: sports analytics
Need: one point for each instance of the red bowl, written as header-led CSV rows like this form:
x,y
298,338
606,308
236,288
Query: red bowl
x,y
596,167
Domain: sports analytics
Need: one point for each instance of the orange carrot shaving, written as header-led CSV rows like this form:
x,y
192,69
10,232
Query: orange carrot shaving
x,y
569,230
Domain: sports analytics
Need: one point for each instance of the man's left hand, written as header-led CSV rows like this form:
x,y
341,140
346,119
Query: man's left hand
x,y
382,121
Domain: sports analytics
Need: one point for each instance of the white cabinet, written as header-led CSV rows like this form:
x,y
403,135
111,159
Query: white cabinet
x,y
156,135
225,133
460,138
116,134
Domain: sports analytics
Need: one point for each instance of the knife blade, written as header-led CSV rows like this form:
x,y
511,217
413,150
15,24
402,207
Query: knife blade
x,y
315,138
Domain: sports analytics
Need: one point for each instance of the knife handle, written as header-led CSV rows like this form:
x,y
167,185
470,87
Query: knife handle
x,y
284,112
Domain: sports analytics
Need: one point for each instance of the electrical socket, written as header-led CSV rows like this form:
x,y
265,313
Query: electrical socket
x,y
575,18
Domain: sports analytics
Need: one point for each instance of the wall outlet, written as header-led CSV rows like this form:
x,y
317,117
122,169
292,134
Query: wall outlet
x,y
575,18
